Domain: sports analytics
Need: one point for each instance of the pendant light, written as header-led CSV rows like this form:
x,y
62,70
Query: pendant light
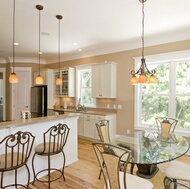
x,y
13,77
39,78
58,79
143,71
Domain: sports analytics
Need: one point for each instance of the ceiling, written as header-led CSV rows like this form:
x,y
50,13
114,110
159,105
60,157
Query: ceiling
x,y
99,27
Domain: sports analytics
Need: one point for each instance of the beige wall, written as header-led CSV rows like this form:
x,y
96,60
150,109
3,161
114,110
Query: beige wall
x,y
125,92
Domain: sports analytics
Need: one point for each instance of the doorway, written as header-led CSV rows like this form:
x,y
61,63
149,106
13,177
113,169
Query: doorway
x,y
21,92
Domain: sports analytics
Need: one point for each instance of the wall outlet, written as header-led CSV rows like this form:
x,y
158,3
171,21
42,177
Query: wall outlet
x,y
71,103
128,131
108,106
119,107
114,106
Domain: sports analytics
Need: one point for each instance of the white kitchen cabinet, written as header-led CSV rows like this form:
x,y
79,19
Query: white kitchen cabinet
x,y
48,79
81,125
104,80
67,89
87,125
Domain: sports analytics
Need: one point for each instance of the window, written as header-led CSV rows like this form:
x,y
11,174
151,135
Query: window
x,y
169,97
84,86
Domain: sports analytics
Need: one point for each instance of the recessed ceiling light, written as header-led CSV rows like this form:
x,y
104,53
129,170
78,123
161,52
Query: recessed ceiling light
x,y
15,43
80,49
75,43
45,33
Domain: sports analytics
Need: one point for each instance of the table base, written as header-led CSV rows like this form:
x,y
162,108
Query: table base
x,y
147,171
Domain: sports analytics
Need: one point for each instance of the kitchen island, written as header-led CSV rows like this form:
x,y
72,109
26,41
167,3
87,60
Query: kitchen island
x,y
37,126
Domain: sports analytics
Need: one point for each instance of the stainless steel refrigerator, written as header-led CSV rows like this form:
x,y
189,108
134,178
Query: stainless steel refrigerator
x,y
39,101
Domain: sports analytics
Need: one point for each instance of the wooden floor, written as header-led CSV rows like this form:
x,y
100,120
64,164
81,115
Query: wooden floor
x,y
83,174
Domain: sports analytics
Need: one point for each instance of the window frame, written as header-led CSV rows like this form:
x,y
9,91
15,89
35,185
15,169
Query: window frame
x,y
78,81
171,58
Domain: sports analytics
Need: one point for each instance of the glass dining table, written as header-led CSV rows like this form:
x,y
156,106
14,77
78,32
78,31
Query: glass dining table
x,y
147,152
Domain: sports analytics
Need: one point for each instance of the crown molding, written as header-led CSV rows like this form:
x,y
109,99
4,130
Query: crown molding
x,y
22,60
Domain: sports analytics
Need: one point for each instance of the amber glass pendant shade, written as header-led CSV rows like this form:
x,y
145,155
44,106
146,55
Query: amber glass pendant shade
x,y
134,80
13,78
142,79
152,79
58,81
39,79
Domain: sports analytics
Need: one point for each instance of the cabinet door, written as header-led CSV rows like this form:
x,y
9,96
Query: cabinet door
x,y
104,80
89,126
65,81
57,88
109,80
81,126
68,86
96,82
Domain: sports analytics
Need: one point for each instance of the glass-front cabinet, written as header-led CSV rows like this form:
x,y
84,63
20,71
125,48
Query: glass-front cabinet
x,y
67,89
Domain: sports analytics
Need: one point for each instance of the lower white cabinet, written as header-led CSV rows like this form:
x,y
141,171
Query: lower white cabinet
x,y
89,129
81,125
87,125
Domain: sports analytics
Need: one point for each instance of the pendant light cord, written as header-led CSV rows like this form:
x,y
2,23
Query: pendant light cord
x,y
39,53
143,16
13,34
59,46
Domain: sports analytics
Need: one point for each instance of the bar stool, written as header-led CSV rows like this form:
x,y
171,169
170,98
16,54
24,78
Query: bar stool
x,y
16,151
54,141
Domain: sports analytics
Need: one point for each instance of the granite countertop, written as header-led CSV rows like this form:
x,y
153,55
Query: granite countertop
x,y
23,122
96,111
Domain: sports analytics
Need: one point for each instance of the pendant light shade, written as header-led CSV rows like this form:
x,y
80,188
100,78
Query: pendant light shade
x,y
140,77
13,77
39,78
58,79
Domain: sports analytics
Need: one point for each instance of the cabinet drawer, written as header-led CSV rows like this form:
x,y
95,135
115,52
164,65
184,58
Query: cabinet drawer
x,y
100,117
88,116
81,116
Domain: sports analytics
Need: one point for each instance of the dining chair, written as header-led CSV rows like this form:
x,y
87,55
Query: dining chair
x,y
114,178
54,140
177,174
15,152
103,132
166,125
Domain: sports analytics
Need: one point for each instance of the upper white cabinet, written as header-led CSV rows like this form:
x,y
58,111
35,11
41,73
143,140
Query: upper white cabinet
x,y
67,89
104,80
48,80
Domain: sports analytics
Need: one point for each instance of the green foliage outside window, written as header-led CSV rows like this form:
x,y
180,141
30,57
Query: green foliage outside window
x,y
163,100
86,87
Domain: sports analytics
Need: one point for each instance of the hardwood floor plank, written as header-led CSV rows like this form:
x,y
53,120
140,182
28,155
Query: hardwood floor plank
x,y
83,174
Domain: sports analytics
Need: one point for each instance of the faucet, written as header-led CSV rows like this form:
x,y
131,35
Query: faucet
x,y
80,107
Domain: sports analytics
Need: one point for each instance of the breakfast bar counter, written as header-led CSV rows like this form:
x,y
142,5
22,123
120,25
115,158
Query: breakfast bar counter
x,y
37,126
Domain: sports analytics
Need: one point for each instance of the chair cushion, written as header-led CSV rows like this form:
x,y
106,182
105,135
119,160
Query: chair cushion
x,y
178,170
134,182
50,148
166,126
9,162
